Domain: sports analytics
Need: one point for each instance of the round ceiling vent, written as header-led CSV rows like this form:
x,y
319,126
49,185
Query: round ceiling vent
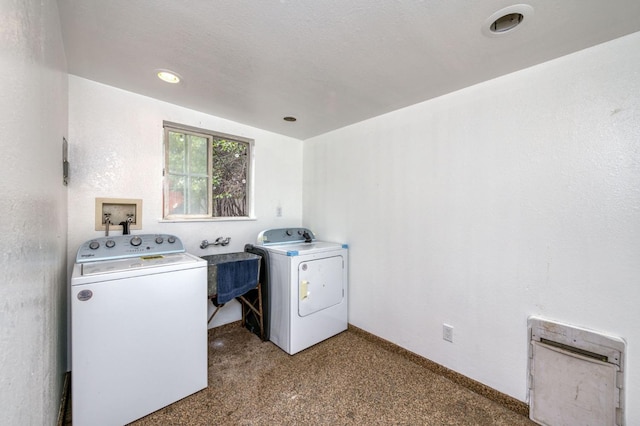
x,y
507,20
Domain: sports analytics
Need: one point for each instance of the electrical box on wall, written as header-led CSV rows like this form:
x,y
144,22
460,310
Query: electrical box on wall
x,y
117,211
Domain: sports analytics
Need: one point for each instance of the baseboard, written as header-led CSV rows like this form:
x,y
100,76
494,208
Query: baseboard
x,y
505,400
64,399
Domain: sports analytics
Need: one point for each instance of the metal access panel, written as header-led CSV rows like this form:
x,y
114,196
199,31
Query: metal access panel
x,y
320,284
575,376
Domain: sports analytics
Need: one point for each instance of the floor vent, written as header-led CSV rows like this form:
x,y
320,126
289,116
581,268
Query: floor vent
x,y
575,375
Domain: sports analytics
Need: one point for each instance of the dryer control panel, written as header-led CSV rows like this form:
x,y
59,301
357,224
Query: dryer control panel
x,y
125,246
285,235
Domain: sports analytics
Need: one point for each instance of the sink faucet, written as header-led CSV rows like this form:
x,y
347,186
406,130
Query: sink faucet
x,y
220,241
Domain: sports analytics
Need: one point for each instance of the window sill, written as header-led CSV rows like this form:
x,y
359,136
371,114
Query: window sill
x,y
212,219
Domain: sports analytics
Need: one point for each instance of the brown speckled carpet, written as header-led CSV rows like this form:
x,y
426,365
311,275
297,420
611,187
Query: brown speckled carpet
x,y
346,380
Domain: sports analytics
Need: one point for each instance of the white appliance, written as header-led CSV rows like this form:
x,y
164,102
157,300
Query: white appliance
x,y
307,288
138,327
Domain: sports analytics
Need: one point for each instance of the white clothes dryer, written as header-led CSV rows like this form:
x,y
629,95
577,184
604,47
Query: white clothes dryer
x,y
308,288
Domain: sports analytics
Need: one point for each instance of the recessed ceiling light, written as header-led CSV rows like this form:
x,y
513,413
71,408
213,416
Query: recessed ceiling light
x,y
169,76
289,118
507,20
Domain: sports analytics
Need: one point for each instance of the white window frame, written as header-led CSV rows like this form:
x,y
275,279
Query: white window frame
x,y
209,135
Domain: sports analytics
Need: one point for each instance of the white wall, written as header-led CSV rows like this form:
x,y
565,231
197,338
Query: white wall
x,y
116,141
33,213
516,197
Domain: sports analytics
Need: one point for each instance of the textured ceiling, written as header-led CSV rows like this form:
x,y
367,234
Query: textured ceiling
x,y
330,63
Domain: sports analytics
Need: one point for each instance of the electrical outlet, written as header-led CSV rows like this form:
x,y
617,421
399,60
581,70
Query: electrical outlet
x,y
447,332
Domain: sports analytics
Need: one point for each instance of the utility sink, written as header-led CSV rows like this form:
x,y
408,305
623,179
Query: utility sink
x,y
214,260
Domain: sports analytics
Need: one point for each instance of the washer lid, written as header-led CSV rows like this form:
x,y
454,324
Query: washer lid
x,y
134,263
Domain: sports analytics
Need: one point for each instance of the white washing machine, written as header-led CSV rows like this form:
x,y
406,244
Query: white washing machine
x,y
308,289
138,327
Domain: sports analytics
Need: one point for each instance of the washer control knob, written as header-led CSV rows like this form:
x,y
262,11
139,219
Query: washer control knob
x,y
171,239
300,232
110,244
136,241
289,232
94,245
159,240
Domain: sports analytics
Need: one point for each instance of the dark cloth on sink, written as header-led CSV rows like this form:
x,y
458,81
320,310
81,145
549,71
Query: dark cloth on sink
x,y
236,278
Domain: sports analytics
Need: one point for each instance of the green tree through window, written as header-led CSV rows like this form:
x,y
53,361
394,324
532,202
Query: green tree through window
x,y
229,177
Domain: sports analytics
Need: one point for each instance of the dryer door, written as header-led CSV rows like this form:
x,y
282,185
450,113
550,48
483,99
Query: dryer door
x,y
320,284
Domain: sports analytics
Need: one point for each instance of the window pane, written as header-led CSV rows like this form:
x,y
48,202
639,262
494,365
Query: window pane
x,y
198,196
229,177
177,152
176,194
197,155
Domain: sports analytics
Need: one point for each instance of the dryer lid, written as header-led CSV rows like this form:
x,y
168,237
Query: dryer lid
x,y
301,249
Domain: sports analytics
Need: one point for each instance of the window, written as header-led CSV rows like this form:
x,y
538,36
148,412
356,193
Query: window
x,y
206,174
